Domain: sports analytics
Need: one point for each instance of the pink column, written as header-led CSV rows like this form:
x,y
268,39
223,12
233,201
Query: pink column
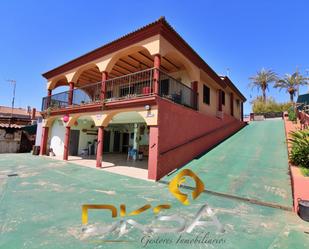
x,y
66,143
100,146
103,85
49,94
44,140
70,100
153,158
156,73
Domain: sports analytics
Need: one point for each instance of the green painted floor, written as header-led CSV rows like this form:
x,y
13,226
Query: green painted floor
x,y
41,207
253,163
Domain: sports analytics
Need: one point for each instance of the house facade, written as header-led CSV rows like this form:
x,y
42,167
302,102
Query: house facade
x,y
147,93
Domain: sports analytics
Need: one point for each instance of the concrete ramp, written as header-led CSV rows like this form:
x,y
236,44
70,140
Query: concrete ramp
x,y
251,165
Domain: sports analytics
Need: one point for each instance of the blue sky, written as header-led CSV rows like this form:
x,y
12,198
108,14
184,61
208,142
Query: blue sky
x,y
244,36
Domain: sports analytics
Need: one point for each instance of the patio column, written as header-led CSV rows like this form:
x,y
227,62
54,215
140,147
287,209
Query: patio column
x,y
153,157
103,85
194,87
66,143
44,138
49,94
100,146
232,104
156,73
70,100
220,100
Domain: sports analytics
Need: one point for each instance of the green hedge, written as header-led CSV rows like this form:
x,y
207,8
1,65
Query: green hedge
x,y
300,148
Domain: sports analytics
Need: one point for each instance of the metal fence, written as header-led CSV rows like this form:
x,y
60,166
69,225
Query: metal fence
x,y
58,100
130,86
126,87
176,91
87,94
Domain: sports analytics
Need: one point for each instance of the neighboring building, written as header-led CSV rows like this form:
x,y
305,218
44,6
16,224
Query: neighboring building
x,y
17,129
148,90
303,102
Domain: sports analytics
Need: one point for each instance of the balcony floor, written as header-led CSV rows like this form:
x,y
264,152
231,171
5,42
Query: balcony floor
x,y
114,163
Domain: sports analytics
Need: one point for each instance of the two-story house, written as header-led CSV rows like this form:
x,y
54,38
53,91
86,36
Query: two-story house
x,y
148,94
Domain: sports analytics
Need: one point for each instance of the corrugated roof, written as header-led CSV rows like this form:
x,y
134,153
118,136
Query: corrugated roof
x,y
17,112
15,126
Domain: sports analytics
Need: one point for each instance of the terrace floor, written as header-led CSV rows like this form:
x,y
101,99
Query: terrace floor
x,y
41,206
115,163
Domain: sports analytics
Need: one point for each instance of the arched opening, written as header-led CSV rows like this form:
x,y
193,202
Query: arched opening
x,y
55,140
87,83
178,67
126,143
58,84
130,61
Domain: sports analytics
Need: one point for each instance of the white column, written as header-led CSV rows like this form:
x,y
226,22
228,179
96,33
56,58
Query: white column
x,y
136,138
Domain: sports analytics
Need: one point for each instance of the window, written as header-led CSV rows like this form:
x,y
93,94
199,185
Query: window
x,y
206,95
237,103
223,97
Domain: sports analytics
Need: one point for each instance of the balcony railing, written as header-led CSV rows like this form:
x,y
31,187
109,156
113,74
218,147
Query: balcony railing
x,y
176,91
130,86
126,87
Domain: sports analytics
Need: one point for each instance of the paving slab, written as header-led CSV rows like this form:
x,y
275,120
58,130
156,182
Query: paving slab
x,y
41,208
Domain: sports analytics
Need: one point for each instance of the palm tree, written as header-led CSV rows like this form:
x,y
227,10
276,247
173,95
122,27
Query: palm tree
x,y
291,83
262,79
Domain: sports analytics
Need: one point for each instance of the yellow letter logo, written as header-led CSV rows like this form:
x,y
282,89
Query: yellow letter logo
x,y
179,179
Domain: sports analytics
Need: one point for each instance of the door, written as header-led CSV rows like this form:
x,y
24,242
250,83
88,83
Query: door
x,y
125,142
74,140
116,141
106,141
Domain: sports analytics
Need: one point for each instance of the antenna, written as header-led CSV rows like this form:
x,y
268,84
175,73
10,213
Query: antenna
x,y
13,100
228,72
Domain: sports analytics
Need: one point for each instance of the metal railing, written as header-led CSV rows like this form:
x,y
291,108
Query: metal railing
x,y
126,87
130,86
176,91
55,101
87,94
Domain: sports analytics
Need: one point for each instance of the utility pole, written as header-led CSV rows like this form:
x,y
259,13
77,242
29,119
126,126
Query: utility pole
x,y
13,100
307,78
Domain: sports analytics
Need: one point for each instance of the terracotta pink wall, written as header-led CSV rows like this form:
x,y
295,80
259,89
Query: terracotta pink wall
x,y
178,125
300,186
300,183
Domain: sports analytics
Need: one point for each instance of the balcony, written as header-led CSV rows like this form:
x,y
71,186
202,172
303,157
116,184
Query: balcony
x,y
130,86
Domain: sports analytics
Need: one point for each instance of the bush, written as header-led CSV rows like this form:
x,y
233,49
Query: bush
x,y
300,148
259,106
292,115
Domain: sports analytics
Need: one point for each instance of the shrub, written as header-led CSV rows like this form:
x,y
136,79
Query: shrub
x,y
270,105
292,115
300,148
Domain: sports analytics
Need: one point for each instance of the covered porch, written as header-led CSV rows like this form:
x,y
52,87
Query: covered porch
x,y
122,145
114,163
